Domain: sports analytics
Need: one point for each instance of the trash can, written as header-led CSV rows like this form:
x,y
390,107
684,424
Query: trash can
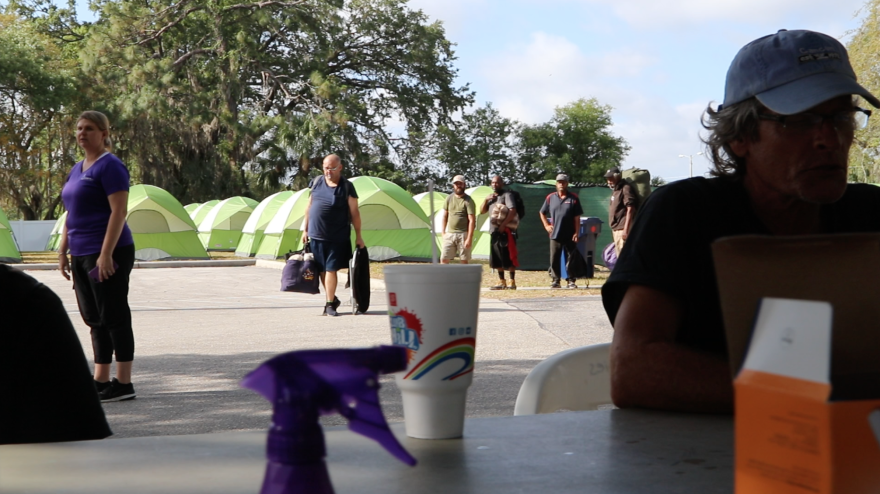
x,y
591,227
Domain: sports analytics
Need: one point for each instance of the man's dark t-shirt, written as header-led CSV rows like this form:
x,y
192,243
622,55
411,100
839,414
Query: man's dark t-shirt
x,y
668,248
329,213
56,400
563,212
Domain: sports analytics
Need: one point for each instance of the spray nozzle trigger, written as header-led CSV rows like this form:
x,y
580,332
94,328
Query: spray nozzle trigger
x,y
305,384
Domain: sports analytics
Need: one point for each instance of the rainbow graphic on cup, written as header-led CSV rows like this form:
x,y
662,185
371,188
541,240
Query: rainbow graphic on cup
x,y
407,331
462,349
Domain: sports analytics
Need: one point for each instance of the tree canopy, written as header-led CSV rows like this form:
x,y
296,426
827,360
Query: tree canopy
x,y
214,98
576,141
864,54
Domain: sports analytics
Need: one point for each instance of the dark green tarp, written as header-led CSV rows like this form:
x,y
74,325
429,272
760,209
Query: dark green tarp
x,y
533,244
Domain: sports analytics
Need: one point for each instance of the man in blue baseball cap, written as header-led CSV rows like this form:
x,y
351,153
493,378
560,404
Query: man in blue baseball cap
x,y
779,144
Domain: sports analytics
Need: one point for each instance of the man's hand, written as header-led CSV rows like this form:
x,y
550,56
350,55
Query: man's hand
x,y
468,242
549,228
574,238
305,238
624,235
359,242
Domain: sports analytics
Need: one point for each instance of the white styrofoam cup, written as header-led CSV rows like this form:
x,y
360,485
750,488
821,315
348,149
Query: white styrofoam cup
x,y
433,313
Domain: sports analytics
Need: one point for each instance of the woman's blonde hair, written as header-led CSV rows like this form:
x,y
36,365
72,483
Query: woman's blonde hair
x,y
101,121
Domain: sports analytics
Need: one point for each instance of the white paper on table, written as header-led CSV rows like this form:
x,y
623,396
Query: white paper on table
x,y
792,338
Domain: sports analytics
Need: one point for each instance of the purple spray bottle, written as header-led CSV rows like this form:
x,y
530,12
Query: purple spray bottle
x,y
306,384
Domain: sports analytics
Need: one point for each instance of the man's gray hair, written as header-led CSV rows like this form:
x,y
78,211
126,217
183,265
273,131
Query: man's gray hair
x,y
739,121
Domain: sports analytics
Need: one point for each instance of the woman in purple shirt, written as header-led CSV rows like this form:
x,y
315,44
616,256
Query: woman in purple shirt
x,y
101,253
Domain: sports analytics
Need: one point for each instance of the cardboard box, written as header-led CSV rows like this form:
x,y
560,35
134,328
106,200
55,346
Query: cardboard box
x,y
807,380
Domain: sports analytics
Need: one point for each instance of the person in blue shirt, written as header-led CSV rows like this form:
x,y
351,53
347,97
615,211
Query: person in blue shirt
x,y
333,206
101,253
564,208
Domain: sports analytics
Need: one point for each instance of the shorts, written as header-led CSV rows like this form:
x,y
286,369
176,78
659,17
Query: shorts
x,y
500,250
453,243
331,256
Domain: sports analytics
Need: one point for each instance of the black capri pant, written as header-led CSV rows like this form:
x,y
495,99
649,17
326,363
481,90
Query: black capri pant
x,y
104,306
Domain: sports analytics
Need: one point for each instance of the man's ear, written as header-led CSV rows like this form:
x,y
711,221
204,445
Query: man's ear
x,y
740,147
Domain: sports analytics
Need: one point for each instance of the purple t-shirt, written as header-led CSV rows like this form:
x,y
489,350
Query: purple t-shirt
x,y
88,210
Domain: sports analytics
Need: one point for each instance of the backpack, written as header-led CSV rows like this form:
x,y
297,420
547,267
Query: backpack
x,y
640,180
520,205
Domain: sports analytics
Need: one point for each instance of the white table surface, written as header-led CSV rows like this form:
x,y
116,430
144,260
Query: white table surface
x,y
608,452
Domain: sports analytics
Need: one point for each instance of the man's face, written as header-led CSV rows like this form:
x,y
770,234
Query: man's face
x,y
497,184
332,169
458,187
788,163
561,186
612,181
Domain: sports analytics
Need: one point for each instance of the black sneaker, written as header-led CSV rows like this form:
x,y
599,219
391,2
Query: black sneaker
x,y
572,285
117,392
336,302
101,386
555,284
330,310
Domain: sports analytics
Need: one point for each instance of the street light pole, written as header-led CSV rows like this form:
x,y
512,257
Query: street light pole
x,y
690,158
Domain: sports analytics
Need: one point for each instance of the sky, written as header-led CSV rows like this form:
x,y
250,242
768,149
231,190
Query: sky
x,y
657,64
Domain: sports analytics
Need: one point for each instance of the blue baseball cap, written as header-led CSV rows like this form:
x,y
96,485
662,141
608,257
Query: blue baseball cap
x,y
792,71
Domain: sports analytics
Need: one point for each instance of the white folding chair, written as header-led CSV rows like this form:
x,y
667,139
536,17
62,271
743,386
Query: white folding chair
x,y
576,379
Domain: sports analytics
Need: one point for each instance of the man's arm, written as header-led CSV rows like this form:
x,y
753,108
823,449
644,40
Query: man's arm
x,y
469,240
445,218
577,227
484,208
305,223
355,220
628,222
507,219
547,225
511,211
650,370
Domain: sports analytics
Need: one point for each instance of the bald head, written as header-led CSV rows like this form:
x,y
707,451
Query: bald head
x,y
332,168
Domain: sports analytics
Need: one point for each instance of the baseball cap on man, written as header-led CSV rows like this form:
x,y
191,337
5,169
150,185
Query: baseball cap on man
x,y
562,177
792,71
612,172
459,178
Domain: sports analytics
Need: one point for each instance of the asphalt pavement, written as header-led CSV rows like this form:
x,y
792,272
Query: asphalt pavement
x,y
199,330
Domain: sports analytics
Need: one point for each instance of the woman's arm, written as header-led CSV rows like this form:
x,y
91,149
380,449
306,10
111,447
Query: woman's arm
x,y
63,261
118,211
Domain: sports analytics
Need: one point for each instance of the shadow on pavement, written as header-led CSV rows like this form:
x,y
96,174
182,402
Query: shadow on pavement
x,y
195,394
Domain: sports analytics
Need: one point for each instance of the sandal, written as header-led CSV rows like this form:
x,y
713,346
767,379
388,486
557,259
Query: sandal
x,y
499,287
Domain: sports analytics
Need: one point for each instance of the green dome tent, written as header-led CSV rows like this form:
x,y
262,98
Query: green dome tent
x,y
221,228
424,202
284,232
482,239
189,208
8,248
55,234
198,214
160,226
252,233
392,224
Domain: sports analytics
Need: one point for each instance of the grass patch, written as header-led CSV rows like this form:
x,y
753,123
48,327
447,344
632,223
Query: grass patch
x,y
524,279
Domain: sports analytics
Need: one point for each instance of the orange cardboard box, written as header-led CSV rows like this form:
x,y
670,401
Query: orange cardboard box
x,y
802,317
